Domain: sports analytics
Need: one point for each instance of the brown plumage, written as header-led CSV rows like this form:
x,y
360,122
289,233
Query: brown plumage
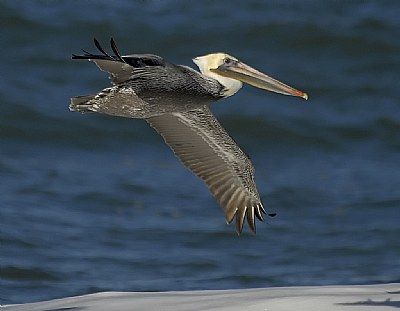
x,y
174,100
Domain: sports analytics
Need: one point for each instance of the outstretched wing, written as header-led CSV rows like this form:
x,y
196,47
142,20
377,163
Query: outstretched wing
x,y
121,68
201,143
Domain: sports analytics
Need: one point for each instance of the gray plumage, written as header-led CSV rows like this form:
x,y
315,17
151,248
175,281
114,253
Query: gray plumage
x,y
174,100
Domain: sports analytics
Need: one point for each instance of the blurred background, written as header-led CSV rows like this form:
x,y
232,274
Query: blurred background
x,y
94,203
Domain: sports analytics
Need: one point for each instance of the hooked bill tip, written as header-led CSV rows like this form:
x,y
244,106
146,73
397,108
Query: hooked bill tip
x,y
300,94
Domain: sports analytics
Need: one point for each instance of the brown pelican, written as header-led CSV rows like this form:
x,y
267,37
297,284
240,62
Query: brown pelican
x,y
174,100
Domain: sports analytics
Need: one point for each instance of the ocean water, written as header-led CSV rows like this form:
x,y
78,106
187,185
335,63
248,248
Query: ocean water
x,y
94,203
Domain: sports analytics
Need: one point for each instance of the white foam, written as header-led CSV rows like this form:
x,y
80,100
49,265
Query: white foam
x,y
383,297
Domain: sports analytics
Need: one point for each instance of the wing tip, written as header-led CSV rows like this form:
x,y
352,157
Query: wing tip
x,y
105,56
248,213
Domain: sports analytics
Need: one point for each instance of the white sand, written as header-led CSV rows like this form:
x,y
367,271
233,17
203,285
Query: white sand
x,y
383,297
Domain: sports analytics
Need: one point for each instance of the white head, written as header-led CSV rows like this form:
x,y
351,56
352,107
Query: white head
x,y
213,61
231,72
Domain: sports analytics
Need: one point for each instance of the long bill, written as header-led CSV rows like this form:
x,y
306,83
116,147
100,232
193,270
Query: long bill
x,y
247,74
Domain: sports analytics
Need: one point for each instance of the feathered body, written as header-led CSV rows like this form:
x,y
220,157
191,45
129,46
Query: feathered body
x,y
174,100
145,85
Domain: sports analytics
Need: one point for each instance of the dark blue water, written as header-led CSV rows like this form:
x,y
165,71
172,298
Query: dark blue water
x,y
94,203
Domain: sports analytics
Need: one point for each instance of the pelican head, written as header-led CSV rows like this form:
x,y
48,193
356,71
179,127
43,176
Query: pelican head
x,y
231,72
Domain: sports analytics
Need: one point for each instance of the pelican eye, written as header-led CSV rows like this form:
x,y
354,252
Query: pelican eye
x,y
228,61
